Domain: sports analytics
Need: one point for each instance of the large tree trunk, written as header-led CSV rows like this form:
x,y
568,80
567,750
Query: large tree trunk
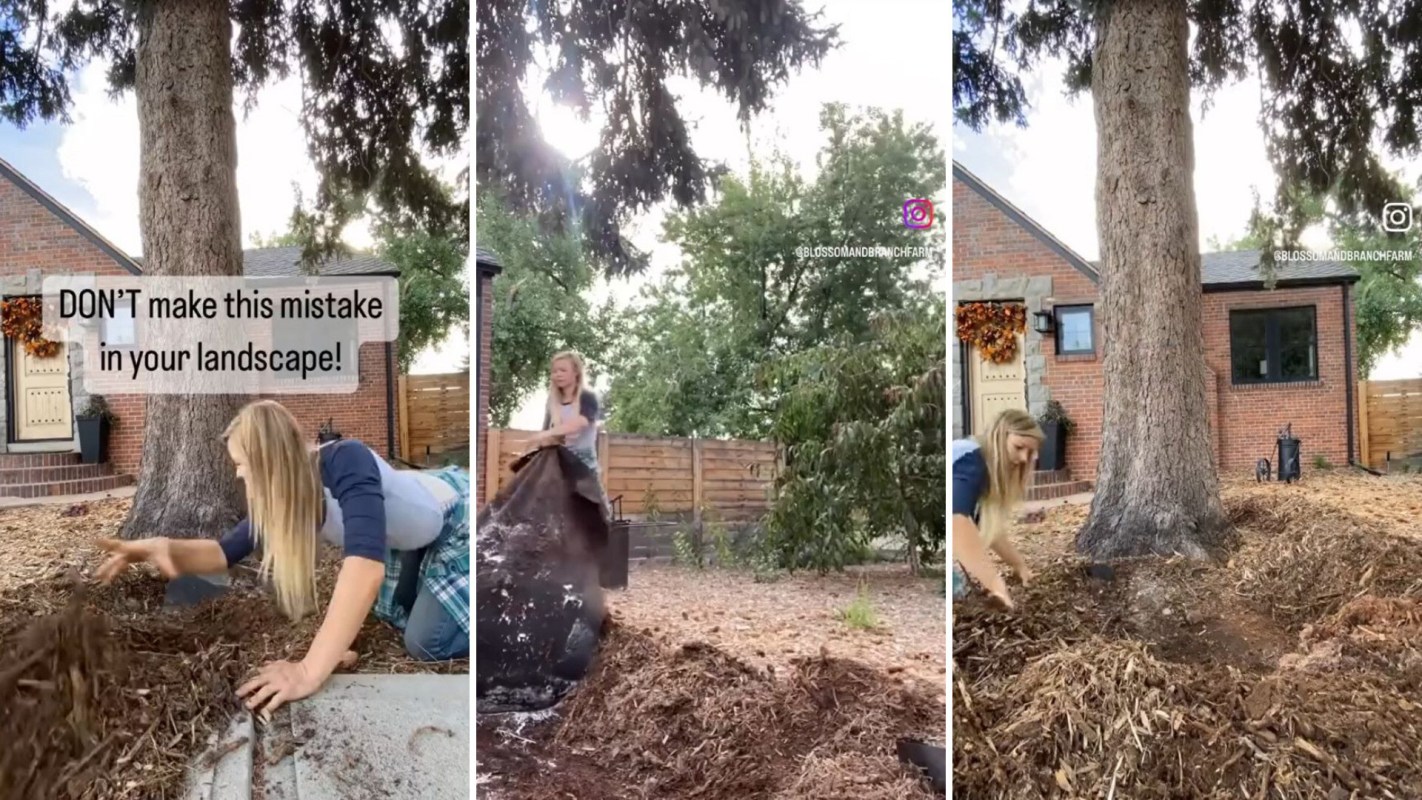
x,y
1157,491
191,226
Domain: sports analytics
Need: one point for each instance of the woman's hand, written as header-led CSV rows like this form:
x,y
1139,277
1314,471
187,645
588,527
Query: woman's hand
x,y
157,552
1024,574
997,592
278,683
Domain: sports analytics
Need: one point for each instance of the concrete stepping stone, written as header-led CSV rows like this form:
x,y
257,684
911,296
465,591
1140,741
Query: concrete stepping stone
x,y
224,772
373,736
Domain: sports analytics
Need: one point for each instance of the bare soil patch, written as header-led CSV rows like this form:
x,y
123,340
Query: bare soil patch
x,y
1291,672
107,696
770,624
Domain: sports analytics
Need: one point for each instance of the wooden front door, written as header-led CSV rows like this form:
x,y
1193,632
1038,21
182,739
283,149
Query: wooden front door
x,y
39,391
997,386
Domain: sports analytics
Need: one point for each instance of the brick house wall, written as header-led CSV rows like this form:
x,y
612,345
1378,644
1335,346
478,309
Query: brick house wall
x,y
36,241
360,415
993,254
484,294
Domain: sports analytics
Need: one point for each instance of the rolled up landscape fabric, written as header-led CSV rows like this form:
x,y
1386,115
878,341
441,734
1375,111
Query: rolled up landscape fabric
x,y
537,594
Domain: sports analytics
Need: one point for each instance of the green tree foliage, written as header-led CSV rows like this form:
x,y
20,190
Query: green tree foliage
x,y
1337,83
619,59
752,289
434,286
540,305
862,424
386,85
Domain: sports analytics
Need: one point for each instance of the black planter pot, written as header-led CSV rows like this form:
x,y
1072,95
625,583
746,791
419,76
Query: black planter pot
x,y
1053,455
93,439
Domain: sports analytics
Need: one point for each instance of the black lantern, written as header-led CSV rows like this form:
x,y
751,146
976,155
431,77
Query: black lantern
x,y
1042,322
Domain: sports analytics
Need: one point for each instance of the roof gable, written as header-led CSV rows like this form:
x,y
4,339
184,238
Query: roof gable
x,y
1027,223
68,217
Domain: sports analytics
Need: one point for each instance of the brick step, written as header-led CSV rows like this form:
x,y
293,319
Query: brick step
x,y
106,483
1042,477
27,460
1052,491
69,472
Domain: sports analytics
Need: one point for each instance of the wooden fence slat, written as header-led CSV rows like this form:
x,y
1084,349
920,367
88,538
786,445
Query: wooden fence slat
x,y
1390,413
434,414
723,479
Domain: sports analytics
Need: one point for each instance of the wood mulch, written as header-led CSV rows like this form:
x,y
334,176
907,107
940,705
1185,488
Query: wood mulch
x,y
109,696
1292,671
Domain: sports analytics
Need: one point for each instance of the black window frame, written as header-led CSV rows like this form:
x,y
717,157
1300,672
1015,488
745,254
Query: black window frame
x,y
1272,345
1090,310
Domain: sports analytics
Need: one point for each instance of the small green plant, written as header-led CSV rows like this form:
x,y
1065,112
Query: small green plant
x,y
651,505
97,406
1321,463
1055,413
860,613
687,548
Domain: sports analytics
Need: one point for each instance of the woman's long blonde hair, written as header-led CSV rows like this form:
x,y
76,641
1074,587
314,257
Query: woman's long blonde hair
x,y
1007,481
284,500
555,395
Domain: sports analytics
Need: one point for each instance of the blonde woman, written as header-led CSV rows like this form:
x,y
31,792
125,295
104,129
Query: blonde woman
x,y
573,410
404,537
990,476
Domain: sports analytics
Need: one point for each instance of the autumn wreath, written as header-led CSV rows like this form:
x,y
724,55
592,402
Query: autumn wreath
x,y
992,328
22,319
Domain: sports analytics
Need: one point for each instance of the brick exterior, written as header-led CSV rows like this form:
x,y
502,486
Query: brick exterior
x,y
34,239
485,294
989,246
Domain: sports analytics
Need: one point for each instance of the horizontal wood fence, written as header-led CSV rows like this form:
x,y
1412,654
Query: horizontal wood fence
x,y
1390,418
730,478
434,415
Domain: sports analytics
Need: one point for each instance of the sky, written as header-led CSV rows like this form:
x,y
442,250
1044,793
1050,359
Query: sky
x,y
892,56
1028,167
91,166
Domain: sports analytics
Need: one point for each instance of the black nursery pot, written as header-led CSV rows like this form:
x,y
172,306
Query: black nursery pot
x,y
1053,455
93,439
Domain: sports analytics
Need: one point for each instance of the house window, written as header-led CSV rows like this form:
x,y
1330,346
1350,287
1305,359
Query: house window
x,y
304,334
1076,332
120,329
1275,345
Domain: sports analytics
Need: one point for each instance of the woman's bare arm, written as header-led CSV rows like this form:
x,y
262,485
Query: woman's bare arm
x,y
197,556
969,552
357,586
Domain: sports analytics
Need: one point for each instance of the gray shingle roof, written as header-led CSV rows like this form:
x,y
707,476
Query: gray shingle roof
x,y
1242,266
486,261
285,262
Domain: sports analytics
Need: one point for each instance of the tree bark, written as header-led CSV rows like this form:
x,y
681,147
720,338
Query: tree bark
x,y
1157,490
191,225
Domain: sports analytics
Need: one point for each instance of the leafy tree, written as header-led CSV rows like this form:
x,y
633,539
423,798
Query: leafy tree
x,y
385,84
619,58
752,288
862,424
434,287
288,238
540,305
1335,81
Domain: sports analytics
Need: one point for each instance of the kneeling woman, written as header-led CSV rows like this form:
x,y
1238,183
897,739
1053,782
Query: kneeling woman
x,y
404,537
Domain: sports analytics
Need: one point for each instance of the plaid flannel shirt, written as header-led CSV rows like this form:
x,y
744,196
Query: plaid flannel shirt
x,y
445,569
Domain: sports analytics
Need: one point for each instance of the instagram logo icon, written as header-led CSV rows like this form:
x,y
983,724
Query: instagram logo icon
x,y
918,214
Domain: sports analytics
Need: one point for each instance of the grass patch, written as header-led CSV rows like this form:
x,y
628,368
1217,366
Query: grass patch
x,y
860,614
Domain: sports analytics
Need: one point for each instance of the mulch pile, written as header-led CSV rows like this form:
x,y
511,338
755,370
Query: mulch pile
x,y
105,696
1291,672
656,720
